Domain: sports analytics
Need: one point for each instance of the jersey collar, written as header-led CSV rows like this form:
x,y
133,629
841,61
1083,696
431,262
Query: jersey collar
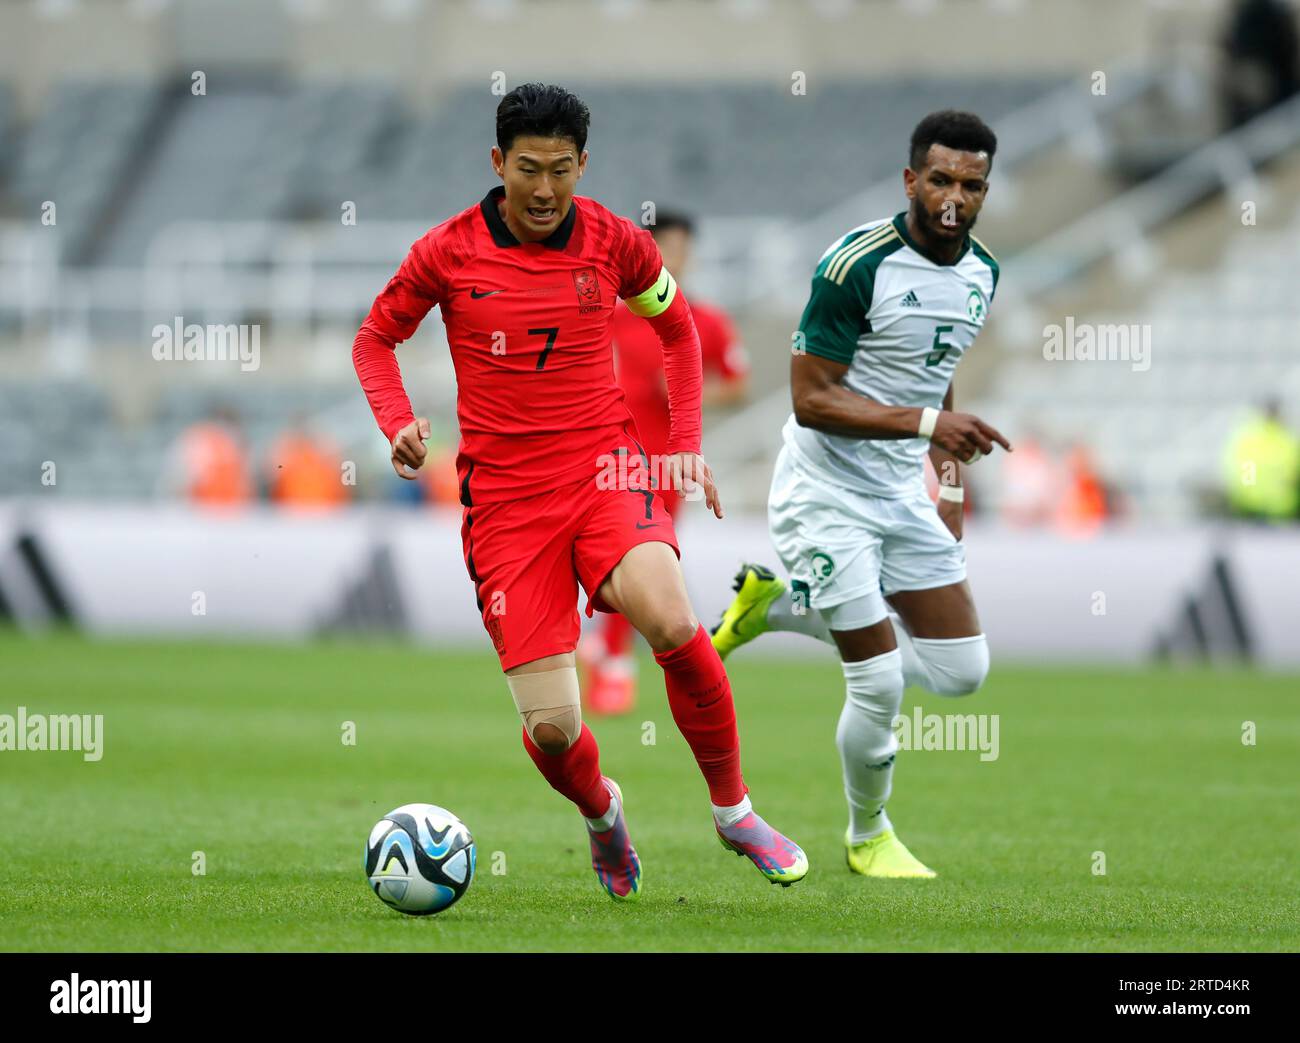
x,y
501,234
900,223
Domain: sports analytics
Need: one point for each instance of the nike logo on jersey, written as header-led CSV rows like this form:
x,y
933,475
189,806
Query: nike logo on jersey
x,y
911,300
486,293
650,526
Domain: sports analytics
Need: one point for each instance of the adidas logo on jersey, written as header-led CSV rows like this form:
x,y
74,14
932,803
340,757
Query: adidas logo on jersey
x,y
911,300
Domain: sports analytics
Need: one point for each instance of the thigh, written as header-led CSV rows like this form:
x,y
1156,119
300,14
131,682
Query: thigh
x,y
519,555
614,522
941,613
865,642
646,586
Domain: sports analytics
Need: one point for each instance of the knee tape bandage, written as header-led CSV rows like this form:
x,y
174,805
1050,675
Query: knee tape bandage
x,y
550,697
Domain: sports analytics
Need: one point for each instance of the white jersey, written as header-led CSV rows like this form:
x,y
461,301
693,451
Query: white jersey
x,y
901,323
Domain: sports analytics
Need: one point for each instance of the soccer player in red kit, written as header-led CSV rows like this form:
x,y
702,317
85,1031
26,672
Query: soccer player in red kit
x,y
606,650
555,483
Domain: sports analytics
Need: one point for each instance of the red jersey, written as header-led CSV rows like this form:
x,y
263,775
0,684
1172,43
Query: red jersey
x,y
639,365
530,331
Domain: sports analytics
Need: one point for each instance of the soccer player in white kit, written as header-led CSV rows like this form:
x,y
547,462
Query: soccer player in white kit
x,y
875,567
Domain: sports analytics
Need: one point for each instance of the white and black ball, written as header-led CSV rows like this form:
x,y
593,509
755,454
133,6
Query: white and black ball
x,y
420,859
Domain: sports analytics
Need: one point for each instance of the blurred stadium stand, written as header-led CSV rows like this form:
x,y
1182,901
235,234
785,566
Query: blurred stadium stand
x,y
81,153
1117,205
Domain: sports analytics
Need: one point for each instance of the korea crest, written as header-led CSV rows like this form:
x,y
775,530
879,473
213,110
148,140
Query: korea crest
x,y
587,285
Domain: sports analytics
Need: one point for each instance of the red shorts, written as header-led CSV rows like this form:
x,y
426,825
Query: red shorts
x,y
527,557
672,501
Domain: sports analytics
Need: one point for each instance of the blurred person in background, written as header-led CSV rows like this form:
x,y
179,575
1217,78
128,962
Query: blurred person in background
x,y
305,471
606,651
1262,58
1031,483
208,463
1261,468
1082,504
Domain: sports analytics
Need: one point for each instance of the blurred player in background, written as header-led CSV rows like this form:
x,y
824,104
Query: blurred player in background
x,y
894,306
527,281
1261,467
208,464
304,470
606,650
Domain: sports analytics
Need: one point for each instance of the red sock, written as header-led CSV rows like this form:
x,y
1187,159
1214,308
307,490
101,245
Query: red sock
x,y
617,633
699,696
575,773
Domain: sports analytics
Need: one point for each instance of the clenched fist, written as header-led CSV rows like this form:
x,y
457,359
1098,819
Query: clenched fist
x,y
409,450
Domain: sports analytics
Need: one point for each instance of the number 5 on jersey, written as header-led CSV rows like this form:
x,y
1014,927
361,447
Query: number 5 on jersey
x,y
938,349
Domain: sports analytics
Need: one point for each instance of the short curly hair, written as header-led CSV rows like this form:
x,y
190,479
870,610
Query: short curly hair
x,y
963,131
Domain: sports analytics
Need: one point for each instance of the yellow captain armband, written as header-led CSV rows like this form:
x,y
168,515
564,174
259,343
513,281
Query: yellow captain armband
x,y
657,298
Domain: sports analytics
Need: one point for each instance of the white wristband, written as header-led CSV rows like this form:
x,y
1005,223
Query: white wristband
x,y
955,493
929,417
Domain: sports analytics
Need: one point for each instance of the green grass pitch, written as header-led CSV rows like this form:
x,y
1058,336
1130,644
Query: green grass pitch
x,y
236,751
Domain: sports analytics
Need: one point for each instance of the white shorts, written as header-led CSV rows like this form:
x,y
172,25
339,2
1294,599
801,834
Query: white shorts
x,y
844,546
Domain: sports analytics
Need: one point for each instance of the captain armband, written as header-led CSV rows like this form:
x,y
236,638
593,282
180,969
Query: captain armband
x,y
657,299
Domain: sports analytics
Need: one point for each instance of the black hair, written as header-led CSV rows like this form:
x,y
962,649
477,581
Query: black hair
x,y
544,111
667,220
963,131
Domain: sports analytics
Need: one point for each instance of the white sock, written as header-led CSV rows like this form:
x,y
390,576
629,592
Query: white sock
x,y
866,740
606,821
781,615
725,817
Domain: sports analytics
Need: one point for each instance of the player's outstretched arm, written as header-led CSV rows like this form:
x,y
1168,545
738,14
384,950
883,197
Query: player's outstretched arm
x,y
824,404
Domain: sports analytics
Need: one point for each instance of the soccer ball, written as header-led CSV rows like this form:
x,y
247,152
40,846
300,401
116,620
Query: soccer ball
x,y
419,859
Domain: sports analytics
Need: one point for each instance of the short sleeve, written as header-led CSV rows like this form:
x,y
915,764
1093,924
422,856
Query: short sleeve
x,y
833,319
